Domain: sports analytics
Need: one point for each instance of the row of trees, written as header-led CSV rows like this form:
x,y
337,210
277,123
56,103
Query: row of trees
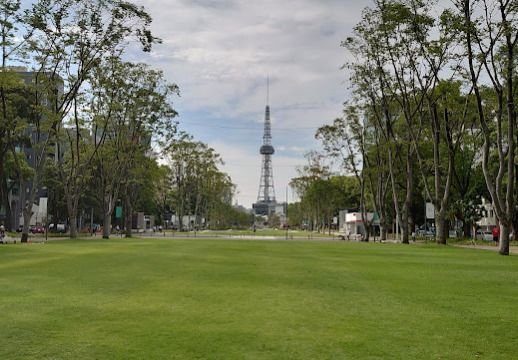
x,y
66,43
85,123
322,194
199,188
432,114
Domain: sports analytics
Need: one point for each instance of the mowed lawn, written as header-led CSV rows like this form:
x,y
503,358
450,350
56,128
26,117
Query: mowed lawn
x,y
218,299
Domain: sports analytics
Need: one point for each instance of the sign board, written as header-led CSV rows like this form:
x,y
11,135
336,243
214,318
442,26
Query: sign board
x,y
118,212
430,211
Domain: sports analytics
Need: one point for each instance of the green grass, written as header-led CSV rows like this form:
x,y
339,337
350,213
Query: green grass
x,y
217,299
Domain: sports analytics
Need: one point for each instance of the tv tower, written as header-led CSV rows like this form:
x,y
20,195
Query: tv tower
x,y
266,203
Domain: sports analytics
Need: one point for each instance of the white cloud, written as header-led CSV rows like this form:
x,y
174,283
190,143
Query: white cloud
x,y
219,53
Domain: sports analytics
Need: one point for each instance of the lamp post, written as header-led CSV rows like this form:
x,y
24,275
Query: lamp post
x,y
46,213
47,219
286,215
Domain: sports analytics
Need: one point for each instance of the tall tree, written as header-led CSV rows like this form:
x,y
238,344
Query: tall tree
x,y
14,35
375,83
346,139
489,37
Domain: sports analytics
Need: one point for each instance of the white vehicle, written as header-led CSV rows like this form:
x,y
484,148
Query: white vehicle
x,y
485,235
58,228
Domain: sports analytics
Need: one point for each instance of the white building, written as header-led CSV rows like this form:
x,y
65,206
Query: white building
x,y
351,224
488,220
189,222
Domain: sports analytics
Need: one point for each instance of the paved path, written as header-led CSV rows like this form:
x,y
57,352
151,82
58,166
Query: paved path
x,y
235,237
512,249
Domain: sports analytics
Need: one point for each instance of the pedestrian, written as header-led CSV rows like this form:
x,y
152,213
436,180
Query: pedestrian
x,y
496,234
2,233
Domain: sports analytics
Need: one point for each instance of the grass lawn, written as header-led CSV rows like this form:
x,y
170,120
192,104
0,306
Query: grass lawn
x,y
217,299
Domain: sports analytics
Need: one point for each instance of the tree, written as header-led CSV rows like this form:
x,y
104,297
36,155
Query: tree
x,y
489,39
376,86
163,195
322,193
37,140
131,107
70,39
14,35
200,188
345,140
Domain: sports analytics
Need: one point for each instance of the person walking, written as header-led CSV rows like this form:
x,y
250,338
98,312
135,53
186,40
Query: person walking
x,y
496,234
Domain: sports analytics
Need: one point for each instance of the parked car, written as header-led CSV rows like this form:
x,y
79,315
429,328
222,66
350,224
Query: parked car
x,y
58,228
486,235
38,229
429,233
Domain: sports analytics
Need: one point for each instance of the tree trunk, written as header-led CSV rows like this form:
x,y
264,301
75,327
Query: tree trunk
x,y
4,193
108,206
503,246
367,232
27,214
383,229
72,199
399,217
466,229
73,225
27,209
128,214
107,223
408,200
440,228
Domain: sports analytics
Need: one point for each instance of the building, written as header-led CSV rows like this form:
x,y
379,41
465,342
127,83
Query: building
x,y
488,219
189,222
351,223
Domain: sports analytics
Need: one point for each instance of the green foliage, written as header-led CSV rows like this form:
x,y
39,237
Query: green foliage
x,y
430,88
225,216
322,195
199,187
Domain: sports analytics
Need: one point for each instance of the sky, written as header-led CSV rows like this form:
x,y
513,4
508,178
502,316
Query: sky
x,y
220,53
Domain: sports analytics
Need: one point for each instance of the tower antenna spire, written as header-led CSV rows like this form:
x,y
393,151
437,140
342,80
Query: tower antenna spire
x,y
268,89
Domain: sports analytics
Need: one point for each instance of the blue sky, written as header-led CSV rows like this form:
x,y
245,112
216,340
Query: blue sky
x,y
220,52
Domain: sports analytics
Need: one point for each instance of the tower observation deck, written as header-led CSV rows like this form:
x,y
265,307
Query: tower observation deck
x,y
266,202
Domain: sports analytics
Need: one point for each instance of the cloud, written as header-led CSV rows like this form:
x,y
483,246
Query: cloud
x,y
213,4
220,51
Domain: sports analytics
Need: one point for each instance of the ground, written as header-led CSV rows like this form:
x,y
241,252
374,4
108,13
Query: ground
x,y
218,299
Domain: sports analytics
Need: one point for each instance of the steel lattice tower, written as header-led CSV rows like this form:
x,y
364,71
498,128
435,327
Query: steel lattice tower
x,y
266,196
